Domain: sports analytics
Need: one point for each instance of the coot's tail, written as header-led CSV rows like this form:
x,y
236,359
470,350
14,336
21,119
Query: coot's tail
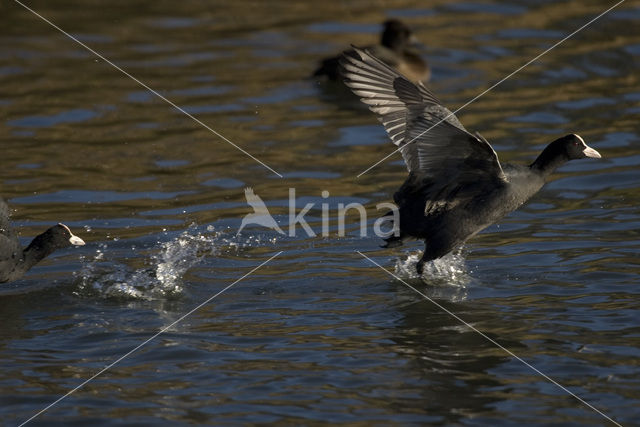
x,y
329,67
397,238
393,242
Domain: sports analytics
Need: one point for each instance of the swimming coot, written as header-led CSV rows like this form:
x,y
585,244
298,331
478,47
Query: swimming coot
x,y
394,49
456,185
14,260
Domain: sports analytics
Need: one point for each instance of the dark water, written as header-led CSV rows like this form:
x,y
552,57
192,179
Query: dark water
x,y
319,334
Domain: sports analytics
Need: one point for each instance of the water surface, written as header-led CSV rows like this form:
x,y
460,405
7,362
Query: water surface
x,y
319,334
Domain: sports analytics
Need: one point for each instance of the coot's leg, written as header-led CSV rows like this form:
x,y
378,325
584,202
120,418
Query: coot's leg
x,y
426,256
430,253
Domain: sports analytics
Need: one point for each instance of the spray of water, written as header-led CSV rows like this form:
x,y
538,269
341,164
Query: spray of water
x,y
164,268
450,271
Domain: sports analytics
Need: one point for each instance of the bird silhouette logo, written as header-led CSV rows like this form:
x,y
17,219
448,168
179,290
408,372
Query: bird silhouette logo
x,y
260,215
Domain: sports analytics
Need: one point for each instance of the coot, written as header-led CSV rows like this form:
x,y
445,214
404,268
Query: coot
x,y
456,185
14,260
394,49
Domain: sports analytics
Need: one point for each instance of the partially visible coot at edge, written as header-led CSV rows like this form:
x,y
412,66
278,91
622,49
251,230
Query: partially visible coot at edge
x,y
395,49
456,185
16,261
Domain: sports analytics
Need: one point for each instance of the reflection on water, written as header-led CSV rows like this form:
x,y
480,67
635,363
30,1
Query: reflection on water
x,y
320,334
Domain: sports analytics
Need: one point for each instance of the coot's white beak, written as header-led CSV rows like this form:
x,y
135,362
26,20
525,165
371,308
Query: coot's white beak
x,y
75,240
590,152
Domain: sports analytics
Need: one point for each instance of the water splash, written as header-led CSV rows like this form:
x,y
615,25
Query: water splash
x,y
161,275
163,270
447,277
450,269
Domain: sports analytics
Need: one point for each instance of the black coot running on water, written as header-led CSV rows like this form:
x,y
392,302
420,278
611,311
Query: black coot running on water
x,y
395,50
14,260
456,185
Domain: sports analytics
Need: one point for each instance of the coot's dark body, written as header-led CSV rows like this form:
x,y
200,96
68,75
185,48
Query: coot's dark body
x,y
456,185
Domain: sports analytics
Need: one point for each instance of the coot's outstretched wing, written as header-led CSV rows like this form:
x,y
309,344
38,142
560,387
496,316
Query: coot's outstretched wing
x,y
434,144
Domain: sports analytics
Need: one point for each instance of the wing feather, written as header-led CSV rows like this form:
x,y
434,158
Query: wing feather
x,y
433,142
